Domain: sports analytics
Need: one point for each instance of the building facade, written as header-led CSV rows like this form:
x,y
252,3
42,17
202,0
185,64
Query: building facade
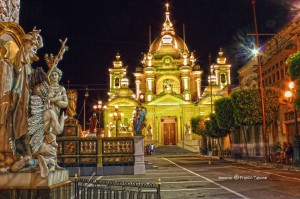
x,y
274,74
168,83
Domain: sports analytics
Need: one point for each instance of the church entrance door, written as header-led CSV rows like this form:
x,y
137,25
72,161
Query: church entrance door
x,y
169,134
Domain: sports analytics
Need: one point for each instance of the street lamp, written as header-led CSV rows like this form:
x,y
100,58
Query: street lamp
x,y
290,95
99,108
261,88
116,115
84,103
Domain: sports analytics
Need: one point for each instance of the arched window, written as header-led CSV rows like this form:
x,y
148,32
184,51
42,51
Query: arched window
x,y
117,81
223,79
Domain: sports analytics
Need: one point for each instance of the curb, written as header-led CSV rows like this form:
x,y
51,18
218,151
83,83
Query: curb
x,y
265,164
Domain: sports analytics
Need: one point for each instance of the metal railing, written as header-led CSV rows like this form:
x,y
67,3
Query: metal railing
x,y
107,189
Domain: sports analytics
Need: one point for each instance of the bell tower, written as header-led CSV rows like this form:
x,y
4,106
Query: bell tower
x,y
116,73
222,70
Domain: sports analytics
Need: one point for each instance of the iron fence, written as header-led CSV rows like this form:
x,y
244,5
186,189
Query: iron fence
x,y
107,189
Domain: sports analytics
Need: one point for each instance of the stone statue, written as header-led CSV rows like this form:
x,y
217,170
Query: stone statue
x,y
72,102
139,119
30,106
187,129
149,129
93,123
15,76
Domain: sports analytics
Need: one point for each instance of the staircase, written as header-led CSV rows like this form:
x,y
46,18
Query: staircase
x,y
172,150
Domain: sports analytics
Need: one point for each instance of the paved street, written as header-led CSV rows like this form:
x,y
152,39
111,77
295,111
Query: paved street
x,y
192,177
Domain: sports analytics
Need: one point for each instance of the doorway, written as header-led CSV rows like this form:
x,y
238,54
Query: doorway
x,y
169,130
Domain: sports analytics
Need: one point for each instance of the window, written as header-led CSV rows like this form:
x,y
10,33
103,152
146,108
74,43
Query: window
x,y
273,78
117,82
270,80
223,79
281,73
277,76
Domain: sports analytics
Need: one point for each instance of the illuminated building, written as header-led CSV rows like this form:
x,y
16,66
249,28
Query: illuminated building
x,y
168,83
274,56
275,74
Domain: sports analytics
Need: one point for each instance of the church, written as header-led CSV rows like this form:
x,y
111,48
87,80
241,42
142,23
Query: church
x,y
169,84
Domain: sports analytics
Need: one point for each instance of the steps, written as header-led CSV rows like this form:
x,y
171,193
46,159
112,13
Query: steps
x,y
149,165
172,150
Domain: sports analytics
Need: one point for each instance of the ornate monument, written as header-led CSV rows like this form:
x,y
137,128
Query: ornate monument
x,y
30,118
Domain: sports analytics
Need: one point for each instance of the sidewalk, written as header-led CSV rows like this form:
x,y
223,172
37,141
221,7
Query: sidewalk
x,y
258,161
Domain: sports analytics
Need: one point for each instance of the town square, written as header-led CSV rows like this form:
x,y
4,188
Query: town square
x,y
149,99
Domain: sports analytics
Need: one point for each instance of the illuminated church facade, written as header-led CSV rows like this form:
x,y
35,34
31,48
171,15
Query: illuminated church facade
x,y
168,83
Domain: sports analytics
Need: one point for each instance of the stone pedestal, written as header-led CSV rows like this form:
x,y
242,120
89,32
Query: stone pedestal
x,y
31,185
149,137
139,164
187,136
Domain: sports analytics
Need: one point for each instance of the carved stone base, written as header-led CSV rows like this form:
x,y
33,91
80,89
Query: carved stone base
x,y
31,185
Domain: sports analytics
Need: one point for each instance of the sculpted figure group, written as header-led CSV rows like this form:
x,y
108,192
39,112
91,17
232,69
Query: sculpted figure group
x,y
30,104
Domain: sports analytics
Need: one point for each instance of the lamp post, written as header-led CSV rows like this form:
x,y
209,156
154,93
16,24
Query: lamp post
x,y
261,88
116,115
84,103
290,95
99,108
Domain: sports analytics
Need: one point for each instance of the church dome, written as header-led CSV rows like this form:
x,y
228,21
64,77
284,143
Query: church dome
x,y
168,42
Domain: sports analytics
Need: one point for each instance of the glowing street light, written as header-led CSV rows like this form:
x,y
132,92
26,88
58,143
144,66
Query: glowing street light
x,y
117,116
99,108
290,95
255,52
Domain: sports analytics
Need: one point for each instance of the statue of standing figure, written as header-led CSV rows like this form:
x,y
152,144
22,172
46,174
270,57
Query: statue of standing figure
x,y
139,119
149,129
93,123
187,129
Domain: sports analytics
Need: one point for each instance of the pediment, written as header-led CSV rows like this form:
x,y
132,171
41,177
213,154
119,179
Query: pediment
x,y
168,100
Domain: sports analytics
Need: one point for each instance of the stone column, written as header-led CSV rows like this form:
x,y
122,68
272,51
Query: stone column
x,y
137,85
9,10
198,86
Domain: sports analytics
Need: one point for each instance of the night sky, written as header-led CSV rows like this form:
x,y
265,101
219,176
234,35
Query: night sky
x,y
98,29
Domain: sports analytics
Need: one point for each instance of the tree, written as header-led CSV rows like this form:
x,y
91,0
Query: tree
x,y
294,69
212,129
198,128
224,115
248,111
